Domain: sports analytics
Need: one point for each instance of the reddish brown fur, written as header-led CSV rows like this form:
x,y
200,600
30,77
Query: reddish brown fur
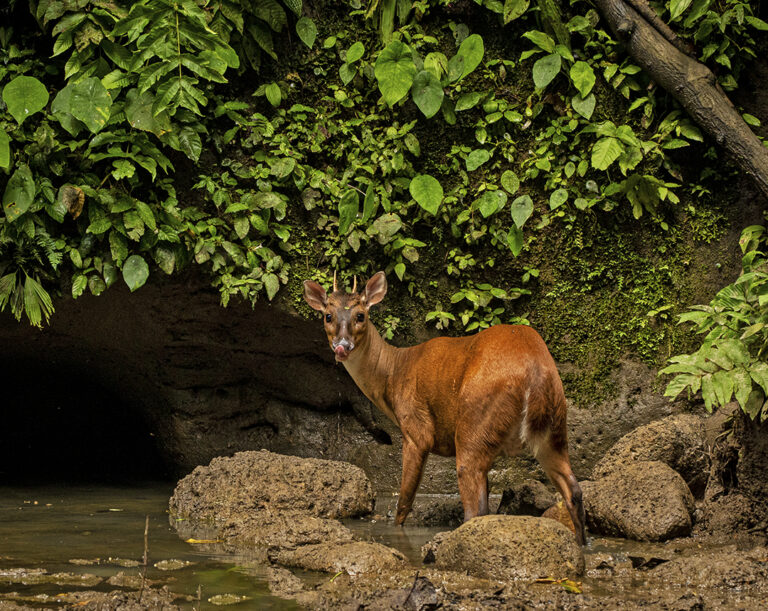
x,y
474,397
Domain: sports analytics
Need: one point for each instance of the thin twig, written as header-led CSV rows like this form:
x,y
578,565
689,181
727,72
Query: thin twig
x,y
413,587
146,555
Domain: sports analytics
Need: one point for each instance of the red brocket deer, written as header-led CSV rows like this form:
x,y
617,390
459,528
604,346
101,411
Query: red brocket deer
x,y
474,397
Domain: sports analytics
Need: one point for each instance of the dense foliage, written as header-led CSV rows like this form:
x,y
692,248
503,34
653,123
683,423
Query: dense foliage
x,y
144,137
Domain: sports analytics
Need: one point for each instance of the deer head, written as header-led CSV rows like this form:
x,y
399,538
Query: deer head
x,y
345,314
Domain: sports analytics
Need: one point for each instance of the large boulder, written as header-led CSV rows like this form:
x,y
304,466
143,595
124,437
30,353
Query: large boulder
x,y
509,547
646,501
679,441
252,481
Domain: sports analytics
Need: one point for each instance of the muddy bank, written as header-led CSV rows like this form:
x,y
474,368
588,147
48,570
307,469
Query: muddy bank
x,y
488,562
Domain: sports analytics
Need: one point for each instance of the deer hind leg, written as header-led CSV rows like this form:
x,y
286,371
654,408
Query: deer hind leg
x,y
472,472
554,461
414,459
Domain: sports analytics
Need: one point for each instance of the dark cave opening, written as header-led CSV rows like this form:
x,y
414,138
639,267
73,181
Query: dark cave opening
x,y
62,425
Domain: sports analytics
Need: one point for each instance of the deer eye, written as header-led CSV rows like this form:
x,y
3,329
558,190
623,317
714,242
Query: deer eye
x,y
328,318
361,317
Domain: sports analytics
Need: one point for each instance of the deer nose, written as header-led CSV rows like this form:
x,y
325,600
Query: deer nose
x,y
342,347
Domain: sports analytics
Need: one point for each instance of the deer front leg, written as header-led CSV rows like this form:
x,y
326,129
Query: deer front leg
x,y
414,459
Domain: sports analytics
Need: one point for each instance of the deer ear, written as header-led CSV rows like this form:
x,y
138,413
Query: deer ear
x,y
315,295
375,289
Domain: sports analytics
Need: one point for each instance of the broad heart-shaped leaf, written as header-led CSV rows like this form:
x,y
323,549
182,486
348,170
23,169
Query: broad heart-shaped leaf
x,y
546,69
515,240
477,158
347,73
349,204
427,191
558,198
138,111
385,227
394,71
307,31
19,193
605,152
370,203
514,9
5,149
490,202
584,106
135,272
87,101
583,77
521,208
472,50
468,100
510,182
355,52
427,93
24,96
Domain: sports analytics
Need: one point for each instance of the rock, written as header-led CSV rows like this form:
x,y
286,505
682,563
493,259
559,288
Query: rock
x,y
679,441
283,529
646,501
510,547
251,481
282,583
737,570
559,512
353,558
530,497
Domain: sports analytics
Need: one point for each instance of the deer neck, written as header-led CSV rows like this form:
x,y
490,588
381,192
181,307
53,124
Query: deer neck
x,y
373,366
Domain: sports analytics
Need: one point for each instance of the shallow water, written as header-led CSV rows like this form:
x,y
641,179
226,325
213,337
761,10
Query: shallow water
x,y
47,526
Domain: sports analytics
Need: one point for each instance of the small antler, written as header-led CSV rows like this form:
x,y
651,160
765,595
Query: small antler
x,y
335,288
354,285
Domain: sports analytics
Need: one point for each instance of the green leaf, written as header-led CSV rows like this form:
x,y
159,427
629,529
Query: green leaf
x,y
742,383
370,203
79,282
5,150
394,71
349,204
584,106
759,373
190,143
677,8
140,114
546,69
510,182
99,226
88,101
468,100
135,272
307,31
19,193
355,52
756,23
294,5
583,77
722,383
427,192
515,240
522,209
477,158
271,284
558,198
273,93
471,51
427,93
347,73
385,227
400,270
24,96
514,9
605,152
490,202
